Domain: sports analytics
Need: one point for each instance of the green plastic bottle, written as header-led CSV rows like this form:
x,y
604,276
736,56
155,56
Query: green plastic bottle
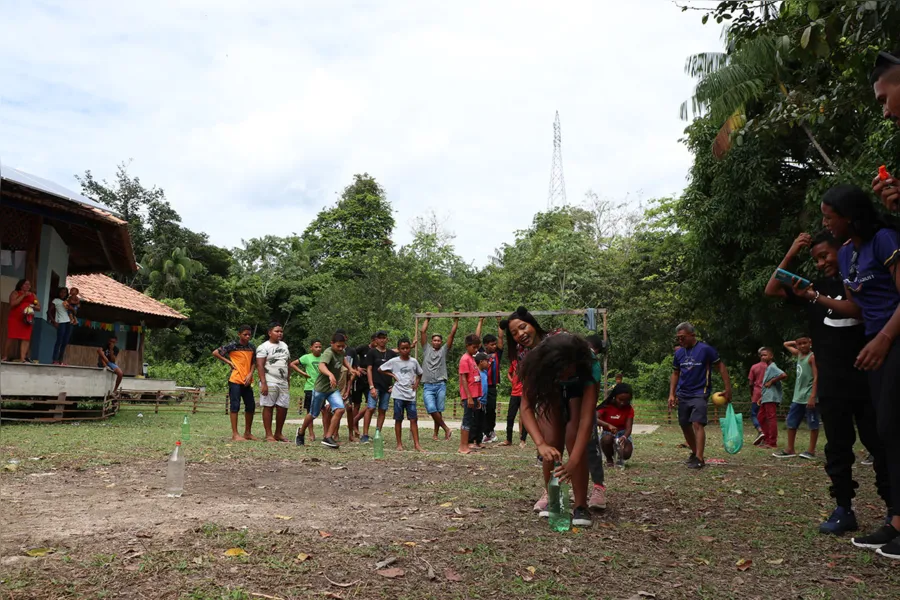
x,y
185,430
378,444
558,505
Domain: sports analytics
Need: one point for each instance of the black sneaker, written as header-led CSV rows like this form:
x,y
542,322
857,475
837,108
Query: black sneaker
x,y
691,459
300,439
759,439
330,443
697,464
868,460
581,517
878,539
890,550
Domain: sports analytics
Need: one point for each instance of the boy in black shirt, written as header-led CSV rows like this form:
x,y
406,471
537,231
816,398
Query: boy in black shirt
x,y
843,389
380,384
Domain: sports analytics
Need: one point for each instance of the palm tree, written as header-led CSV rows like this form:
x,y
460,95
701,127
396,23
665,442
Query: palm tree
x,y
166,272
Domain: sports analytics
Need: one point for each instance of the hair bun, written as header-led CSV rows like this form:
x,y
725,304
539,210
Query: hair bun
x,y
521,310
504,324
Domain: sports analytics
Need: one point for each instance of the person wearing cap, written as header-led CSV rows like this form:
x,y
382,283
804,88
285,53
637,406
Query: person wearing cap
x,y
885,80
380,383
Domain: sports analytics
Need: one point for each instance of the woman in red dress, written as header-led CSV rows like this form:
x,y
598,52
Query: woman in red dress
x,y
19,326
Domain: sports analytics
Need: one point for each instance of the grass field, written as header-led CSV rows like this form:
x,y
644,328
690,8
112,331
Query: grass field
x,y
314,523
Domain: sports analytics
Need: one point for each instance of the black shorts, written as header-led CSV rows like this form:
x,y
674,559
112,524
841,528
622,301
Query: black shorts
x,y
307,400
357,394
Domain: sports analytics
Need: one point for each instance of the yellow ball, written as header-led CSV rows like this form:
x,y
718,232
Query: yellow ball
x,y
719,399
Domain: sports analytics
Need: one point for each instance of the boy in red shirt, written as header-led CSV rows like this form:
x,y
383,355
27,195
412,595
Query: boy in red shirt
x,y
515,400
469,390
616,416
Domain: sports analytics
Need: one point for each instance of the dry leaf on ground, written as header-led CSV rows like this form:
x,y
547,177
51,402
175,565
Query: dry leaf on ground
x,y
392,572
236,552
302,557
324,534
744,564
37,552
452,575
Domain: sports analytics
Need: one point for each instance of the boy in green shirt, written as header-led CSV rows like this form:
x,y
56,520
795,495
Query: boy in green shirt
x,y
804,401
310,371
326,390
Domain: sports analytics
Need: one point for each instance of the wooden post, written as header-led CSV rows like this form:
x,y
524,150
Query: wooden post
x,y
196,396
416,337
158,395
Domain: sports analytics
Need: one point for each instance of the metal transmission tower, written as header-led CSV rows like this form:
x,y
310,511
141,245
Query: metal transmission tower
x,y
557,195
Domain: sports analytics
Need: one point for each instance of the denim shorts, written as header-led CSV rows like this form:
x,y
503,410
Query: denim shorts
x,y
381,403
796,414
238,392
318,401
409,406
618,434
435,395
692,409
468,420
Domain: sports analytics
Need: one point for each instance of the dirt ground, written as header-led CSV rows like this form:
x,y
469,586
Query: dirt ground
x,y
317,524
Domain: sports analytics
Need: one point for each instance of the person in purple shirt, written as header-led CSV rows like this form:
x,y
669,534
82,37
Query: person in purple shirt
x,y
869,263
689,388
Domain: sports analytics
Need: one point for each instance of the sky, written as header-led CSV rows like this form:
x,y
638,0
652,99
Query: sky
x,y
253,116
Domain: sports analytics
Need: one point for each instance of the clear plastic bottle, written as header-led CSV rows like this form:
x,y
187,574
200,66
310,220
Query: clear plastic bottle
x,y
558,504
185,429
175,473
378,444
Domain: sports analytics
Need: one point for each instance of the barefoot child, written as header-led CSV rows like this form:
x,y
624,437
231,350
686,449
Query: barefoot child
x,y
406,373
272,358
434,377
616,416
515,401
310,372
771,398
803,404
558,400
469,390
480,436
239,356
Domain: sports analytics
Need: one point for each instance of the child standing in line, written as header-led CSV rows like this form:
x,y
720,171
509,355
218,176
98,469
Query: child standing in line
x,y
272,360
310,372
240,356
755,378
616,416
469,390
803,404
515,400
326,390
477,434
407,373
771,398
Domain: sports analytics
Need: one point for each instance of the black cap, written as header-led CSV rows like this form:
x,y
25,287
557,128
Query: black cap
x,y
884,62
381,333
885,58
481,356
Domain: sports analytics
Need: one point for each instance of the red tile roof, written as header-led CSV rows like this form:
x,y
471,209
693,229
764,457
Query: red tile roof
x,y
100,289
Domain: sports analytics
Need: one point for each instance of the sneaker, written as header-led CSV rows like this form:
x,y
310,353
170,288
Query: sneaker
x,y
697,464
783,454
759,439
364,439
808,455
876,540
598,497
868,460
300,439
890,550
620,463
540,507
581,517
840,522
330,443
691,459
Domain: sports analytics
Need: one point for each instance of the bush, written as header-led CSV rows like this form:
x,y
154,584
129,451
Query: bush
x,y
208,373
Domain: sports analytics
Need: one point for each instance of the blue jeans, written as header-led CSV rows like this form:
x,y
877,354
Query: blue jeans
x,y
408,405
754,411
435,395
382,402
318,401
63,333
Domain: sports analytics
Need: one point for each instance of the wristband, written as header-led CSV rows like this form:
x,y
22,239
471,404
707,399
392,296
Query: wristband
x,y
890,339
816,299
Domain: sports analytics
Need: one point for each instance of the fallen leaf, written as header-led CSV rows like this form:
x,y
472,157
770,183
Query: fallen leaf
x,y
391,573
775,561
302,557
338,468
706,538
132,567
527,578
457,511
324,534
575,530
464,551
830,565
743,564
531,570
781,492
410,544
236,552
11,468
198,560
112,485
446,505
853,579
37,552
452,575
283,517
333,596
739,492
605,559
701,561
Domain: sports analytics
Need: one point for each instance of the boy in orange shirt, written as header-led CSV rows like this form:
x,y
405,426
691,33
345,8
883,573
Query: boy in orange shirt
x,y
240,356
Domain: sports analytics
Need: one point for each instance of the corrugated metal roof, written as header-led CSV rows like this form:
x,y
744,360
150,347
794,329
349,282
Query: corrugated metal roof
x,y
43,185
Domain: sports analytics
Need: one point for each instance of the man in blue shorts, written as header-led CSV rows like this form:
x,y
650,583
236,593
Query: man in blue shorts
x,y
434,377
689,388
326,390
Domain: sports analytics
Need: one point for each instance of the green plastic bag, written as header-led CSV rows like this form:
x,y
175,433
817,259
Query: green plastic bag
x,y
732,426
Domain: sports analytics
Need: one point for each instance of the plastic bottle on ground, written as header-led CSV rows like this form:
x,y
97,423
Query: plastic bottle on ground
x,y
558,505
175,472
185,429
378,444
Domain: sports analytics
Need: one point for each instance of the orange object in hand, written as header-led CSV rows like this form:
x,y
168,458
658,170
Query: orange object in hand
x,y
883,173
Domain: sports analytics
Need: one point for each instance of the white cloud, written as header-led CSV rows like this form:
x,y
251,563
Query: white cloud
x,y
253,116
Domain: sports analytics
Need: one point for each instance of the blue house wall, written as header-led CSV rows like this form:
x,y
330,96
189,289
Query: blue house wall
x,y
53,257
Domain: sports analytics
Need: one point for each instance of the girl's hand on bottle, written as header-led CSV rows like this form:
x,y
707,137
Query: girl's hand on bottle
x,y
550,453
562,472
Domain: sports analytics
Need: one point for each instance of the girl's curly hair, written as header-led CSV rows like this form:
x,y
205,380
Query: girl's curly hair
x,y
558,358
